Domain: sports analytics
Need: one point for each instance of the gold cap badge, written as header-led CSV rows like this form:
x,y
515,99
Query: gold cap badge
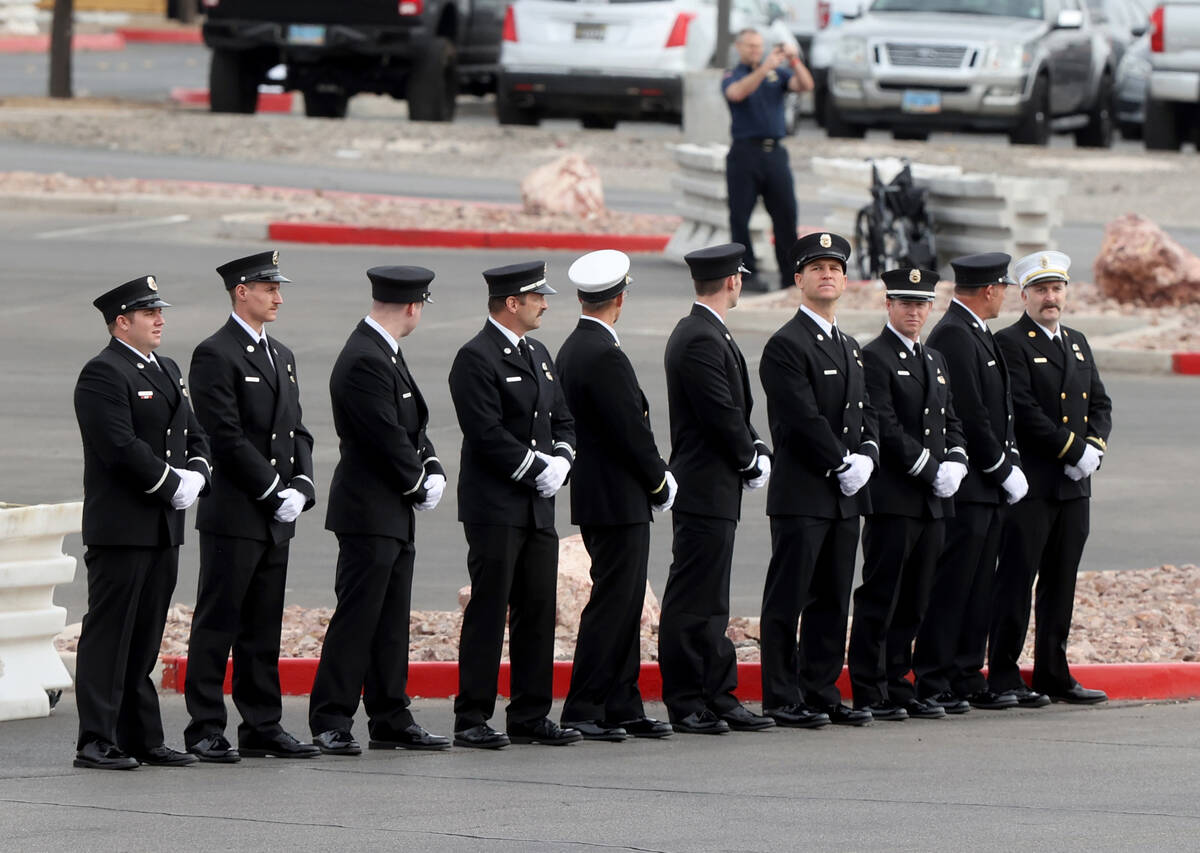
x,y
275,257
826,241
150,283
914,276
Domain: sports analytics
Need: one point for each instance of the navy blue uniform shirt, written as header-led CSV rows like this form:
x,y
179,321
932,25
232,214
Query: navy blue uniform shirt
x,y
761,114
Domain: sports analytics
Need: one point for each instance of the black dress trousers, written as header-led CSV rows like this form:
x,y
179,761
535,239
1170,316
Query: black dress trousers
x,y
1046,538
810,573
899,558
129,591
369,652
949,652
751,172
241,609
608,655
514,573
699,665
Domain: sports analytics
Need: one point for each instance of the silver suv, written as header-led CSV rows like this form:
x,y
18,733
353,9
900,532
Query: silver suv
x,y
1021,67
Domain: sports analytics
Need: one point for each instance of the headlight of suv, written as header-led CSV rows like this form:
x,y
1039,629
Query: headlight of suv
x,y
851,52
1005,56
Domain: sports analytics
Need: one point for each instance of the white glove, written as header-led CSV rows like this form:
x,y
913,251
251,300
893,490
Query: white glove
x,y
856,476
1073,473
190,484
1090,461
672,490
292,506
949,477
553,475
762,464
435,485
1016,485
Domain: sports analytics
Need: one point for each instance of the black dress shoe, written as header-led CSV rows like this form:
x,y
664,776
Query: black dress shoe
x,y
887,711
594,730
797,716
840,715
164,756
1080,695
411,736
921,709
644,727
1027,697
701,723
950,702
102,755
215,749
990,700
337,742
279,745
544,731
481,736
740,719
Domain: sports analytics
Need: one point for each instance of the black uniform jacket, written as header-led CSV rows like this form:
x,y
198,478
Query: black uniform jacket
x,y
1060,406
251,413
713,443
617,467
380,418
136,424
507,413
818,410
982,401
918,429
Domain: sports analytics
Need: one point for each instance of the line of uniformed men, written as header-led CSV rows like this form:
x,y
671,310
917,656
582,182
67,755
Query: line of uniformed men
x,y
831,408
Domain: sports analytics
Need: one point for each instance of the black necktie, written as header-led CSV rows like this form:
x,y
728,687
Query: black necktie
x,y
523,349
1062,345
262,342
917,349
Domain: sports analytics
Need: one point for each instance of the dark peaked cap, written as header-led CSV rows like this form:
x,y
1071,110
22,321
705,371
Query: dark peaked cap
x,y
263,266
981,270
516,279
400,284
716,262
133,295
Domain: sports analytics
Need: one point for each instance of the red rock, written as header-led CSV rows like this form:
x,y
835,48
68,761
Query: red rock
x,y
1139,262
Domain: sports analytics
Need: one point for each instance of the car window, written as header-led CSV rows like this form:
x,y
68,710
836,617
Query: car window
x,y
1006,8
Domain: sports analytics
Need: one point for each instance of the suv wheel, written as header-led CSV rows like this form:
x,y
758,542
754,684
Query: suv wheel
x,y
1034,128
232,84
838,128
1099,130
433,84
1161,129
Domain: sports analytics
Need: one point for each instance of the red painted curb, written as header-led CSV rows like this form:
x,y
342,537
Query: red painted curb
x,y
145,35
439,679
347,235
41,43
1187,363
268,102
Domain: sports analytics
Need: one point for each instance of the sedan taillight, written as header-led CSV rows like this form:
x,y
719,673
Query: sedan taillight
x,y
411,7
509,33
679,32
823,11
1157,29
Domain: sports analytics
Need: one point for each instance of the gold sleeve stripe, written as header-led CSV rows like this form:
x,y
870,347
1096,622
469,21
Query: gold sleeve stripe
x,y
660,485
1066,446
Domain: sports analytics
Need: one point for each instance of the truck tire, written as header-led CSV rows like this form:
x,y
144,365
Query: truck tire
x,y
1099,130
1161,130
433,84
1034,127
509,113
232,83
838,128
325,104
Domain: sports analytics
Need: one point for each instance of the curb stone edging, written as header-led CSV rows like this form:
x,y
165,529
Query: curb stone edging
x,y
354,235
1174,680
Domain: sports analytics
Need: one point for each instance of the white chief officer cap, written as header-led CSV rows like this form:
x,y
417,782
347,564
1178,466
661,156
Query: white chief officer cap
x,y
601,275
1042,266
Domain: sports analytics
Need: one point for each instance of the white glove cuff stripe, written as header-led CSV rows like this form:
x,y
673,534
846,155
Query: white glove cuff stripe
x,y
270,488
429,459
306,479
753,463
161,480
999,462
524,466
420,479
566,447
760,441
920,463
201,459
954,450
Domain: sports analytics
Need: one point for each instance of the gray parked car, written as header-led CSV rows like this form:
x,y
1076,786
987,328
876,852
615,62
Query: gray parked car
x,y
1021,67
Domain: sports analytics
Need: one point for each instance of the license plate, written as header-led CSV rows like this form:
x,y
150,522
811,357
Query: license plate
x,y
589,32
921,101
306,34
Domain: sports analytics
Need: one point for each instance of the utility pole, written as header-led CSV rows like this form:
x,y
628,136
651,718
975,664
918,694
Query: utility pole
x,y
62,27
721,55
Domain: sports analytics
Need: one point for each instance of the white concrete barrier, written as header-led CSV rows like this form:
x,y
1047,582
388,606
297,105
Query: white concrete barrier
x,y
32,563
704,207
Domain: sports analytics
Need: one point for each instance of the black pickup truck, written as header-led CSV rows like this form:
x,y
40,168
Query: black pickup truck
x,y
423,50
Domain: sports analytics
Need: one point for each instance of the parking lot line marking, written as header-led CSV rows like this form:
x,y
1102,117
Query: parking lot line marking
x,y
174,219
